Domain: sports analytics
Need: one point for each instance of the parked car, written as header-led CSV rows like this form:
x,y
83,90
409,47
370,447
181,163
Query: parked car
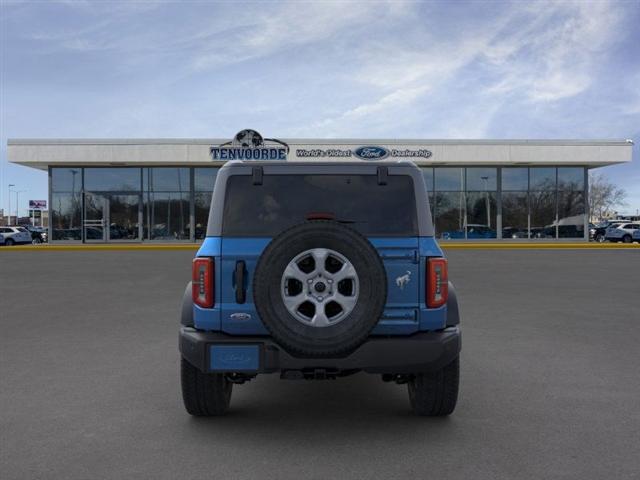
x,y
38,234
570,231
1,239
622,233
15,235
599,231
67,234
514,232
474,231
542,232
308,271
636,236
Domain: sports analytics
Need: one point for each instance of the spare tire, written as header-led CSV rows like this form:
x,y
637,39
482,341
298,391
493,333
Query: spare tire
x,y
320,288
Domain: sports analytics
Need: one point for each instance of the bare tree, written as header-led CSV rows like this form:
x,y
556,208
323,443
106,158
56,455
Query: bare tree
x,y
604,196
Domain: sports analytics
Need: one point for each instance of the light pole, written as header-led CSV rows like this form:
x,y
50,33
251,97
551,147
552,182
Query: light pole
x,y
18,192
9,215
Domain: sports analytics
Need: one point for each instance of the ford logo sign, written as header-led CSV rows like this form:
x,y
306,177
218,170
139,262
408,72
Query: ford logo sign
x,y
371,153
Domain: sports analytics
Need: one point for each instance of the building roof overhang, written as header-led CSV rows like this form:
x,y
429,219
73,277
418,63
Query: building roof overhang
x,y
43,153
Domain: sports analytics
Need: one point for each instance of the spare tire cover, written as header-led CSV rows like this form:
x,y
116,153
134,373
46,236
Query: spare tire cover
x,y
320,288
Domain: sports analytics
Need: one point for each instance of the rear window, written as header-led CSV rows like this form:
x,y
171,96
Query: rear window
x,y
286,200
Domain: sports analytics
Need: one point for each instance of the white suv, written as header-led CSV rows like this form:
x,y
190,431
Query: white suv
x,y
623,232
15,235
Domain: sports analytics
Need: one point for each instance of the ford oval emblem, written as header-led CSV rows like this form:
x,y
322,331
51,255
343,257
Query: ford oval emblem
x,y
371,153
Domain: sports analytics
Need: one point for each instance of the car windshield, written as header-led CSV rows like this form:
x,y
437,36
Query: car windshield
x,y
282,201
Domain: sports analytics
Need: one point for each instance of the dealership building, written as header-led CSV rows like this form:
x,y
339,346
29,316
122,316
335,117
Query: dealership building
x,y
132,190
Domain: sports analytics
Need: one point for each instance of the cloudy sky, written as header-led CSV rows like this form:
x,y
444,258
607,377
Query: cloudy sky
x,y
319,69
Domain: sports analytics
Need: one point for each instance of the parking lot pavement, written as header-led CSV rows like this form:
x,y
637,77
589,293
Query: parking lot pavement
x,y
89,379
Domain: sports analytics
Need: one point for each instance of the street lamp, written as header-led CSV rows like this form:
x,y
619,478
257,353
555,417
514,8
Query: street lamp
x,y
9,215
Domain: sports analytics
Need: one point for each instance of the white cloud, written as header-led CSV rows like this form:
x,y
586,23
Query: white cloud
x,y
291,25
541,52
553,56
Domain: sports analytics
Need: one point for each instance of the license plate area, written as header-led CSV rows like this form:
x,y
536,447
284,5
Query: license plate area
x,y
234,358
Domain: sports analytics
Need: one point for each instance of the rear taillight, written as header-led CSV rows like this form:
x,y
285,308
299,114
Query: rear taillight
x,y
437,282
202,286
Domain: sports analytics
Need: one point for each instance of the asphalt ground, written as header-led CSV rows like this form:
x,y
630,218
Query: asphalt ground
x,y
549,389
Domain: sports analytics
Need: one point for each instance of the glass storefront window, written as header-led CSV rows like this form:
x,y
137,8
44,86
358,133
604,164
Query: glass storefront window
x,y
482,179
449,208
464,201
66,216
515,215
481,215
166,179
543,214
542,178
571,178
571,211
449,179
202,203
66,179
204,179
124,217
515,179
167,216
112,179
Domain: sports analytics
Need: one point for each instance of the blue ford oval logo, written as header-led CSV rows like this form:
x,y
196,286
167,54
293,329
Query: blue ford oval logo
x,y
371,153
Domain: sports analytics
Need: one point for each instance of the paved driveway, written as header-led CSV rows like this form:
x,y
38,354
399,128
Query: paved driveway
x,y
550,383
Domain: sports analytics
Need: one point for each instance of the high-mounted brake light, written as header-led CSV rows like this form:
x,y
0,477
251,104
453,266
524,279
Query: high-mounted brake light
x,y
437,282
202,286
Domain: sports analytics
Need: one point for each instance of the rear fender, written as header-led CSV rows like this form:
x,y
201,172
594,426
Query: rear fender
x,y
453,314
186,312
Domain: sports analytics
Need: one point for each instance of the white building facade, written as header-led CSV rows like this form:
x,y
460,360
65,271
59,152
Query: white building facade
x,y
133,190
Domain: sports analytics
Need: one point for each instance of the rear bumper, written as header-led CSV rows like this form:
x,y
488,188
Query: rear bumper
x,y
420,352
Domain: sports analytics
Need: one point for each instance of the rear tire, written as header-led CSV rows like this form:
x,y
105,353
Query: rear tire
x,y
626,239
204,394
435,394
599,238
9,242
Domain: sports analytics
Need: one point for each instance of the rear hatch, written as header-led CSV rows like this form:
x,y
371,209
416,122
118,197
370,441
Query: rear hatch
x,y
383,211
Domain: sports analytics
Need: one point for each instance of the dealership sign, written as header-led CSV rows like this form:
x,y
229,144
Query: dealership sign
x,y
38,204
366,152
250,145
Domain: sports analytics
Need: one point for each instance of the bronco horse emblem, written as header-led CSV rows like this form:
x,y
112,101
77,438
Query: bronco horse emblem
x,y
402,280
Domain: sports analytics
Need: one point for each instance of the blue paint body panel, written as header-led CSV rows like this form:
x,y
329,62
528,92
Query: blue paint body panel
x,y
234,358
404,259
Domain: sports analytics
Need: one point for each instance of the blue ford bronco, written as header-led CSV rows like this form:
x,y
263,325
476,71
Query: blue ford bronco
x,y
318,270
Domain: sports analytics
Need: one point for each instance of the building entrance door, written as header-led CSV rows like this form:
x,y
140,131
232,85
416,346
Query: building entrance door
x,y
112,217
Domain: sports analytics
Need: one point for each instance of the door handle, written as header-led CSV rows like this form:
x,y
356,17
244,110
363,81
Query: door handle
x,y
239,275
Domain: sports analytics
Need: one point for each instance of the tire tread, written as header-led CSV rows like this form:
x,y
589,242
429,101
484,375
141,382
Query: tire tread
x,y
204,394
435,394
